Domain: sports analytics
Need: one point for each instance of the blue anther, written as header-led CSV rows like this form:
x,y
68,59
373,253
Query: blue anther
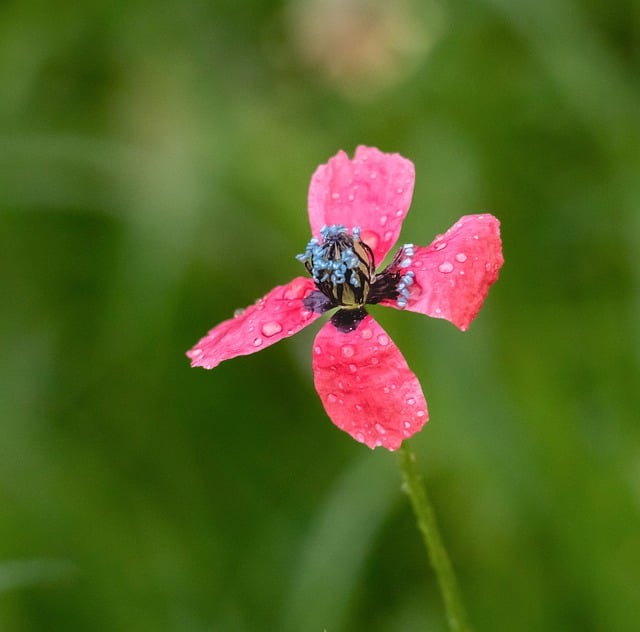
x,y
405,263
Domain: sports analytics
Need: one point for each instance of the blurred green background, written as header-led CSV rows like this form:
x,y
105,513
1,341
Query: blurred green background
x,y
154,165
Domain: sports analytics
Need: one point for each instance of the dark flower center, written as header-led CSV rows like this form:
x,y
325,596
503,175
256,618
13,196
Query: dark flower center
x,y
343,268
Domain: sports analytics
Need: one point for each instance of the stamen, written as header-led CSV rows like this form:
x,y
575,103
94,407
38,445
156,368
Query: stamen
x,y
341,265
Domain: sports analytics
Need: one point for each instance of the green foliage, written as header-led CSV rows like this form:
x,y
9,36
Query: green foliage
x,y
154,163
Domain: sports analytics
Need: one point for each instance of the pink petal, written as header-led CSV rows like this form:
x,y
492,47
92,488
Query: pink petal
x,y
454,273
372,191
366,386
278,315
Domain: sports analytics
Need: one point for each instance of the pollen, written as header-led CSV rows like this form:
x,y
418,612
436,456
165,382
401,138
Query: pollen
x,y
341,264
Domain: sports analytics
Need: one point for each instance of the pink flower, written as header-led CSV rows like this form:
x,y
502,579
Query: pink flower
x,y
363,380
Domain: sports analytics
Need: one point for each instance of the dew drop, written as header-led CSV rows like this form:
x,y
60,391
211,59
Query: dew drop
x,y
461,257
335,196
380,429
317,349
358,407
359,437
383,339
271,329
366,333
238,312
388,235
341,385
420,413
374,360
352,197
347,351
399,212
332,398
353,368
440,245
383,220
385,389
411,401
257,341
446,267
373,175
400,190
407,424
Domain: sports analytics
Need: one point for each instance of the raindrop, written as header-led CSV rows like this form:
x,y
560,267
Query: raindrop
x,y
238,312
383,220
352,197
411,401
359,437
388,235
407,424
374,360
400,190
446,267
420,413
383,339
373,175
380,428
461,257
386,389
399,213
271,329
440,245
335,196
347,351
366,333
317,349
257,341
353,368
341,385
332,398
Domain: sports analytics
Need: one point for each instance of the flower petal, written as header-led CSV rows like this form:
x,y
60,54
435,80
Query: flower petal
x,y
372,191
278,315
454,273
366,386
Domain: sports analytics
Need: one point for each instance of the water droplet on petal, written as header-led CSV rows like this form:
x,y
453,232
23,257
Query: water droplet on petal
x,y
373,175
341,385
461,257
359,437
383,339
332,398
407,424
439,245
271,329
257,341
383,220
385,389
366,333
238,312
399,212
380,429
446,267
353,368
388,235
317,349
347,351
335,196
411,401
420,413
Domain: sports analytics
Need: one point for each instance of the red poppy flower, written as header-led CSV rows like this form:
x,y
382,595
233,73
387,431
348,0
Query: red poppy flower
x,y
363,380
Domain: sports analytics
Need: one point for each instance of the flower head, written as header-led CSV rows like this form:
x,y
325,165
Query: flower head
x,y
363,380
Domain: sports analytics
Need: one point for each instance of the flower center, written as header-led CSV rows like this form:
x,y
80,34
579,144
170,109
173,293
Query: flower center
x,y
341,265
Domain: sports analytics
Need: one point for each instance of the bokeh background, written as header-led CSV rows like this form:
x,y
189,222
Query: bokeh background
x,y
154,165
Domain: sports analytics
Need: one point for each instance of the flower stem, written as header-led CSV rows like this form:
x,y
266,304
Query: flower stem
x,y
425,516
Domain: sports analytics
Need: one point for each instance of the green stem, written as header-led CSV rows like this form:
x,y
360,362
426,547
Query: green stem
x,y
414,486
